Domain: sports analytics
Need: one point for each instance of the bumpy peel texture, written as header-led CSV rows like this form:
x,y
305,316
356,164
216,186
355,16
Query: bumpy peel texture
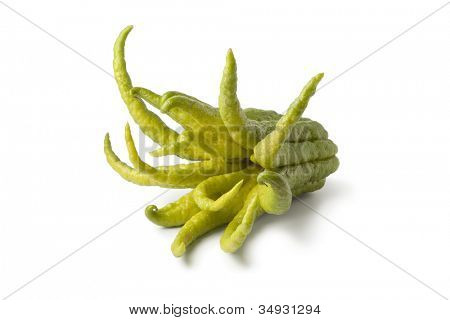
x,y
244,162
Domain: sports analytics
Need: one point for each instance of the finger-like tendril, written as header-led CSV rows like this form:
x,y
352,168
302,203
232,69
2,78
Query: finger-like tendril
x,y
199,224
230,109
176,176
217,192
206,220
150,124
133,155
274,192
174,214
240,227
266,149
191,113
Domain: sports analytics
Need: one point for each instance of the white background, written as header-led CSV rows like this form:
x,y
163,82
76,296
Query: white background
x,y
389,116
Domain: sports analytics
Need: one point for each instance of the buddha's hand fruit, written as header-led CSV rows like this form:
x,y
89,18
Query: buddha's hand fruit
x,y
246,161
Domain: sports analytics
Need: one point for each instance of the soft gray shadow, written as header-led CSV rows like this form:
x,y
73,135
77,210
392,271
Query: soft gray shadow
x,y
241,256
298,220
329,193
186,259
